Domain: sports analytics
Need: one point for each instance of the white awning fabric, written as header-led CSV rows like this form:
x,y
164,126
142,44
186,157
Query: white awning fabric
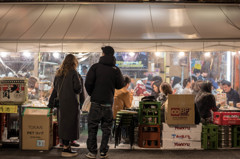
x,y
127,27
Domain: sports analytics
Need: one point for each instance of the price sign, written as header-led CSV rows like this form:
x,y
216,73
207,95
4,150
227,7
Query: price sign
x,y
8,109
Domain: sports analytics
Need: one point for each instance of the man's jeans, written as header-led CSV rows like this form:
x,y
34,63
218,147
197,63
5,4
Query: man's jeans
x,y
97,114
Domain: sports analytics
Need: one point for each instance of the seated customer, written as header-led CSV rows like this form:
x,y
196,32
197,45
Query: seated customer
x,y
232,95
187,86
155,88
205,102
122,97
165,90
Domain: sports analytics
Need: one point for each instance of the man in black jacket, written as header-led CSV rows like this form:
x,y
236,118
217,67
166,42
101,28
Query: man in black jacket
x,y
101,81
232,95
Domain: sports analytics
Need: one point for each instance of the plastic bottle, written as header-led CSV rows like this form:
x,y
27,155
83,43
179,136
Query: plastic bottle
x,y
4,135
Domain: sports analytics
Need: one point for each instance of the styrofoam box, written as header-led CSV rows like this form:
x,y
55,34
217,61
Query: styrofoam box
x,y
182,136
182,128
176,144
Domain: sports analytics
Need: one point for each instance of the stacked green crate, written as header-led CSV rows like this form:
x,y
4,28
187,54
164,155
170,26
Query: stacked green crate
x,y
210,136
224,136
236,136
150,113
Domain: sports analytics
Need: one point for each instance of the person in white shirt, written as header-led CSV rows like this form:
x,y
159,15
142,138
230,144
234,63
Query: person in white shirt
x,y
187,86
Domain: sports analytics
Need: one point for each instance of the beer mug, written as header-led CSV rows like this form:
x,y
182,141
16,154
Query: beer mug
x,y
231,103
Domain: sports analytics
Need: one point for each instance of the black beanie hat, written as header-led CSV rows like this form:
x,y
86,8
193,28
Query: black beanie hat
x,y
108,50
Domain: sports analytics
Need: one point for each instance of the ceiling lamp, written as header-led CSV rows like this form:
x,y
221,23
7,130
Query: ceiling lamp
x,y
207,54
131,54
3,54
56,55
181,54
27,54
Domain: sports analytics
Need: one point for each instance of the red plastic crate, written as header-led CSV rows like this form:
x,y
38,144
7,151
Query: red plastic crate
x,y
149,136
226,118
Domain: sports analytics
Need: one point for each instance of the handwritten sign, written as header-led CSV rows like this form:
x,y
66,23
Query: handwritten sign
x,y
8,109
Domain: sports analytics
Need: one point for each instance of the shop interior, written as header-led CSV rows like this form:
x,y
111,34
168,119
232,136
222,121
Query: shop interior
x,y
166,60
163,40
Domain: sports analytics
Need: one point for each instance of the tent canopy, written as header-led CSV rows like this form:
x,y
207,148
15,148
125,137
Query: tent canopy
x,y
86,27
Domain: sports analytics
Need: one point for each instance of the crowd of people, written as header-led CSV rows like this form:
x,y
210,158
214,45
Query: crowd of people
x,y
109,93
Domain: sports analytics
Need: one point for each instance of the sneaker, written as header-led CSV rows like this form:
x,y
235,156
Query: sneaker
x,y
91,155
69,153
75,144
103,155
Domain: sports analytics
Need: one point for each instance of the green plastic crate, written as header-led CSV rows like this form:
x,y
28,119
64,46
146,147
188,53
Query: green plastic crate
x,y
236,129
148,105
235,139
210,129
147,118
209,141
210,136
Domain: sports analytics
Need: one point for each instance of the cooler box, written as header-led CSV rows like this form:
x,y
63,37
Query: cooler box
x,y
181,136
226,118
37,132
13,90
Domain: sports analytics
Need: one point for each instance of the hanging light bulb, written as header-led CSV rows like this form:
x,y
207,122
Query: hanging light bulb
x,y
27,54
207,54
157,54
3,54
56,55
234,53
131,54
181,54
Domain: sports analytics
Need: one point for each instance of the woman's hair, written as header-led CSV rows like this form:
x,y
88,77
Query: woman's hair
x,y
127,80
196,86
157,84
176,80
32,81
166,88
186,81
157,78
206,87
70,63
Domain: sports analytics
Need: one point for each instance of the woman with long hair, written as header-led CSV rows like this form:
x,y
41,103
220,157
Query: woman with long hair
x,y
67,87
156,88
205,102
165,90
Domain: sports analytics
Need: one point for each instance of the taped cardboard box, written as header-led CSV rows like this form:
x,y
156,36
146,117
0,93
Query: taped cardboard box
x,y
37,132
178,144
182,128
179,110
181,136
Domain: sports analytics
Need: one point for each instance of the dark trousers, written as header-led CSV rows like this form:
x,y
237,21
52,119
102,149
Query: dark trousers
x,y
65,142
99,114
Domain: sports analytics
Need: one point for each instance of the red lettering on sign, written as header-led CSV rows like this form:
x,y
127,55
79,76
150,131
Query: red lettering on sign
x,y
175,111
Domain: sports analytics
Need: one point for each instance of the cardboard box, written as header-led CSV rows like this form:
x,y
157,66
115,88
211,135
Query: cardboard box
x,y
179,144
179,110
181,136
182,128
37,133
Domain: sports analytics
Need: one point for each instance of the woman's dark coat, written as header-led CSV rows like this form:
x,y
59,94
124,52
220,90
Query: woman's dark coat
x,y
69,109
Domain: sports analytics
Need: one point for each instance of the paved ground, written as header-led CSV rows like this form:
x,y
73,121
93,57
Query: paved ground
x,y
11,153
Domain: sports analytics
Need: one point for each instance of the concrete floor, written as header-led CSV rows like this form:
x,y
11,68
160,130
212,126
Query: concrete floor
x,y
11,153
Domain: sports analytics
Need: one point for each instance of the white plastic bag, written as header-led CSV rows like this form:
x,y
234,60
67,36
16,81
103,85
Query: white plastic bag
x,y
87,104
